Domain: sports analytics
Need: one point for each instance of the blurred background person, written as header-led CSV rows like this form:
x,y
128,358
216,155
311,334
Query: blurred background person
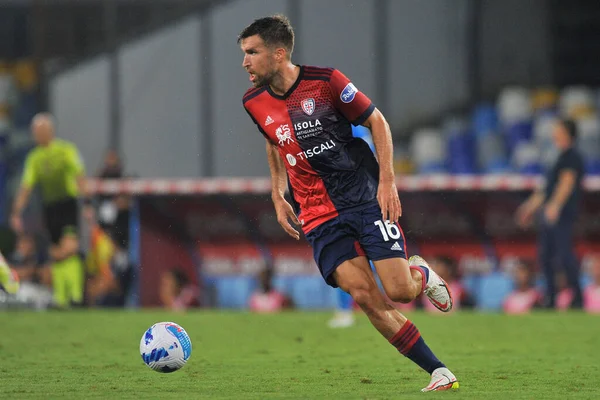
x,y
112,167
34,275
27,262
525,296
559,205
104,283
56,166
267,299
113,210
592,292
447,268
177,291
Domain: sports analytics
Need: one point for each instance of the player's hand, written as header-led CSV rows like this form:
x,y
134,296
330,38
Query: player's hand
x,y
16,222
551,213
285,213
389,201
523,216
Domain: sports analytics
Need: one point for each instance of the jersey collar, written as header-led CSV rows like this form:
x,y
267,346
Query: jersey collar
x,y
290,90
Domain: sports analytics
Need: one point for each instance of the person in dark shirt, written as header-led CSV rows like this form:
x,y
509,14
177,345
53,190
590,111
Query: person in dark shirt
x,y
558,202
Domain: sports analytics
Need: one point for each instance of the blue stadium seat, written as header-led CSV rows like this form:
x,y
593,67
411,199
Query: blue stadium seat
x,y
234,291
493,290
585,280
517,133
485,119
592,166
461,152
471,284
312,292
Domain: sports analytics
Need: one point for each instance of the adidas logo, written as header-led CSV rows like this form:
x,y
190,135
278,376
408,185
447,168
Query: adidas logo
x,y
396,246
269,120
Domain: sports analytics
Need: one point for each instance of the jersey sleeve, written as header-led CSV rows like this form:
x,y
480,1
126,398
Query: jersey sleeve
x,y
348,100
29,176
260,129
75,161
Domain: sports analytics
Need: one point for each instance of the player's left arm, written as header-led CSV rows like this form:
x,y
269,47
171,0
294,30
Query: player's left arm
x,y
387,195
359,110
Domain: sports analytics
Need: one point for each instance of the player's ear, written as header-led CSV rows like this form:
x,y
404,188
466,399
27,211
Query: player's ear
x,y
280,54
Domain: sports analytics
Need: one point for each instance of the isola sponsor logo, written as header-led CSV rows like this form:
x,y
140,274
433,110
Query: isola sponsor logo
x,y
298,126
328,145
348,93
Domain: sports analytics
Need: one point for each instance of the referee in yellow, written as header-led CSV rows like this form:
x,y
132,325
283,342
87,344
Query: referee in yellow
x,y
55,165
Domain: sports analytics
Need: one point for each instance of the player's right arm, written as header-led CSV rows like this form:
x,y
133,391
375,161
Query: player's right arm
x,y
283,209
27,183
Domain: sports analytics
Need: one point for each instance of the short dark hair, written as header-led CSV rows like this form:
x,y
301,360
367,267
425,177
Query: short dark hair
x,y
274,31
570,127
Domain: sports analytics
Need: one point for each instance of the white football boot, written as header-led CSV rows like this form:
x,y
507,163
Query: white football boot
x,y
435,288
441,379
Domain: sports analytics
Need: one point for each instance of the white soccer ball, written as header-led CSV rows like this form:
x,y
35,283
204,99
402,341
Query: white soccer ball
x,y
165,347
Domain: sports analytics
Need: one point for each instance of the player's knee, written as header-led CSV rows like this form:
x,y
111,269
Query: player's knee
x,y
400,293
365,297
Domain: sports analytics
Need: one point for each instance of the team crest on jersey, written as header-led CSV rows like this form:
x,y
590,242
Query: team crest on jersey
x,y
308,106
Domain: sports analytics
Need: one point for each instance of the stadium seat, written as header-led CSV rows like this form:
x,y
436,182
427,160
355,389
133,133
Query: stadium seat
x,y
311,292
542,134
544,99
471,283
491,154
461,147
576,101
234,291
493,289
514,105
588,143
526,159
485,119
428,149
516,133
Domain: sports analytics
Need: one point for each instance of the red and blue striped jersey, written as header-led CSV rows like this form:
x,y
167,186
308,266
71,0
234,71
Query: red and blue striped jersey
x,y
329,170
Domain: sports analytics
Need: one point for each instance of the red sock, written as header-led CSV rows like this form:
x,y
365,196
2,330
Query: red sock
x,y
406,337
409,343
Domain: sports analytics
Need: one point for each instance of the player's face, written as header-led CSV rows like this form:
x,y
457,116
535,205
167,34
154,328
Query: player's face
x,y
259,61
561,137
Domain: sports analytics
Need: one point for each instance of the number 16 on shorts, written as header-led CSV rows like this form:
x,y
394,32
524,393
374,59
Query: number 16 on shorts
x,y
388,230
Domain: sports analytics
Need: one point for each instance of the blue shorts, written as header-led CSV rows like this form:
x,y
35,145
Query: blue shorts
x,y
355,233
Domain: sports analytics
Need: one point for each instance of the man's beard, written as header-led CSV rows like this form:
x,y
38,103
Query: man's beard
x,y
264,80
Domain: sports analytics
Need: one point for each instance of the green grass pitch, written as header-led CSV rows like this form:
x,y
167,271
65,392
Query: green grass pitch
x,y
94,354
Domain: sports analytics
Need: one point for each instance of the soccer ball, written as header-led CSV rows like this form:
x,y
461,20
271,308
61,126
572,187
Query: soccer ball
x,y
165,347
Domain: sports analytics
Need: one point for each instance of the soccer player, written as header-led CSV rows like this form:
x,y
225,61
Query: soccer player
x,y
344,199
56,166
